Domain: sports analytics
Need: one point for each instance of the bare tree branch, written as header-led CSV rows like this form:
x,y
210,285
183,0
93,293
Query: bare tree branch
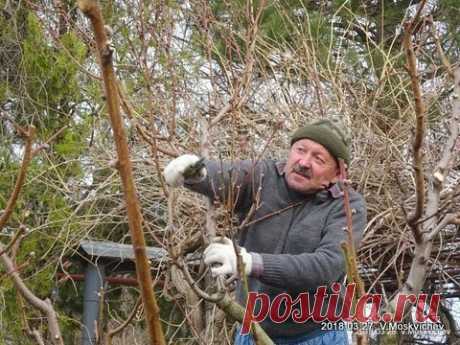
x,y
29,135
349,248
419,130
91,9
44,306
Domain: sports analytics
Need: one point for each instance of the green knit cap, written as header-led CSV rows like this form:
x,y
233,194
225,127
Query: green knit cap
x,y
328,134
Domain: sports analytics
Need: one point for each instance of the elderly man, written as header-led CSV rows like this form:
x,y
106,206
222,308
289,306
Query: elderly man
x,y
291,243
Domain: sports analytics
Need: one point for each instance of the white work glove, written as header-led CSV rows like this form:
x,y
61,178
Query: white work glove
x,y
184,167
221,257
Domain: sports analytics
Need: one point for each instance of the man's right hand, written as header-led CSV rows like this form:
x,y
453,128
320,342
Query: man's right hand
x,y
188,167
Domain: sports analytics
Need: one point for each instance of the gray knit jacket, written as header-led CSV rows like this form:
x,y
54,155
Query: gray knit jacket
x,y
294,238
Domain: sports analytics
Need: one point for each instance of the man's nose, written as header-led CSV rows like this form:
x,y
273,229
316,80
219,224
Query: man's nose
x,y
305,162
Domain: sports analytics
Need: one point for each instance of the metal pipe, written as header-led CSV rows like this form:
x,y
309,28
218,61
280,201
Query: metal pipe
x,y
111,280
94,283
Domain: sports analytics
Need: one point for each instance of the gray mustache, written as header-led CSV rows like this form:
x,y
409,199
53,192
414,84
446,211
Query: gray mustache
x,y
302,171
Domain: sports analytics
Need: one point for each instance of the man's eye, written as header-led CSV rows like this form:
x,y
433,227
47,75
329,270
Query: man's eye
x,y
320,160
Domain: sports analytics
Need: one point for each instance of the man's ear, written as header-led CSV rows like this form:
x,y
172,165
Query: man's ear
x,y
337,175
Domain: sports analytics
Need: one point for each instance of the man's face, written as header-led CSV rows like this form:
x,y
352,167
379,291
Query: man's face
x,y
310,167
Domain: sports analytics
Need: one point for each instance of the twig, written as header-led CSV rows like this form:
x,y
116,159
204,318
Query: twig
x,y
240,94
414,22
16,236
154,152
222,112
113,332
443,57
275,213
193,284
448,219
48,141
150,140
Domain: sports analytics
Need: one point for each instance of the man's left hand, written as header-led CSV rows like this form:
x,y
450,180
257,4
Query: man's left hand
x,y
221,257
